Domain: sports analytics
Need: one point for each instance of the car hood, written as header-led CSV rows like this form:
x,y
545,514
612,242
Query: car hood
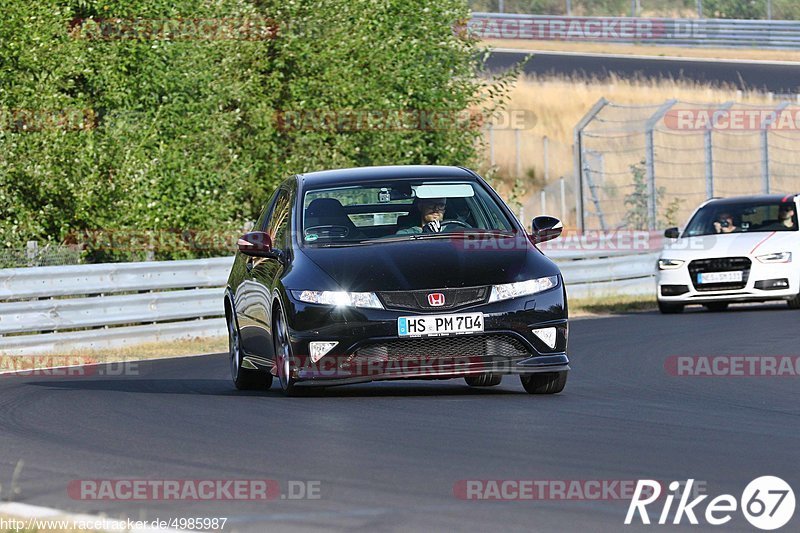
x,y
430,264
731,245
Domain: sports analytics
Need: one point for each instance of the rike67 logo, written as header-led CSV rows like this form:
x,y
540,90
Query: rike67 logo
x,y
767,502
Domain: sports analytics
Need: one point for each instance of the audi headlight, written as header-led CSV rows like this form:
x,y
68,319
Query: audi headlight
x,y
779,257
340,298
670,264
522,288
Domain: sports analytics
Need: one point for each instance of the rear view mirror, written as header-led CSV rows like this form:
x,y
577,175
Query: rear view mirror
x,y
256,244
545,228
672,233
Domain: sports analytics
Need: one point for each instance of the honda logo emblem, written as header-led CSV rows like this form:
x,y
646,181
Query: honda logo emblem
x,y
436,299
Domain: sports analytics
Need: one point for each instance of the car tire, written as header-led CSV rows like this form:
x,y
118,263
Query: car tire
x,y
669,309
716,307
283,356
544,383
243,378
484,380
794,303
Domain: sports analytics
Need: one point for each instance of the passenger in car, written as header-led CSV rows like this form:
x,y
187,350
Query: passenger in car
x,y
786,219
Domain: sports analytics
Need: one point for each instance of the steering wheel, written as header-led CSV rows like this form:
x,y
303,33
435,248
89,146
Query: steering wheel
x,y
312,233
456,222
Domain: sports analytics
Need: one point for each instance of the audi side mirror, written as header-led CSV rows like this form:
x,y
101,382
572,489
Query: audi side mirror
x,y
545,228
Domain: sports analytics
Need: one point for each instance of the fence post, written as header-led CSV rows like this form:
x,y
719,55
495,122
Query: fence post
x,y
543,200
569,8
699,9
577,150
765,124
709,152
31,252
501,6
491,145
563,187
545,150
517,153
650,158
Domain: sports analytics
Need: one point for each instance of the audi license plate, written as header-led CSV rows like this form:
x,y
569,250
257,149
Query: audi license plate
x,y
439,325
719,277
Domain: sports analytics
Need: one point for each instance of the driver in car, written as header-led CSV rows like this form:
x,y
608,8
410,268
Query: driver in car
x,y
432,214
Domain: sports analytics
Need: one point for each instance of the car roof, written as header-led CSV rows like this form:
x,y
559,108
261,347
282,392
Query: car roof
x,y
368,174
767,198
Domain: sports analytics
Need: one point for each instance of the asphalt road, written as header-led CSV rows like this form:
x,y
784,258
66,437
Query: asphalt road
x,y
776,77
387,455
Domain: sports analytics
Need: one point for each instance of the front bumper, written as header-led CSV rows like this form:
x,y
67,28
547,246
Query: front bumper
x,y
680,279
370,349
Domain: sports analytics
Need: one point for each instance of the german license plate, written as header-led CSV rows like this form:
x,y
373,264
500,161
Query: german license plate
x,y
439,325
719,277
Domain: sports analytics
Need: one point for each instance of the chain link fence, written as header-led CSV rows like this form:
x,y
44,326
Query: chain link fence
x,y
648,167
34,254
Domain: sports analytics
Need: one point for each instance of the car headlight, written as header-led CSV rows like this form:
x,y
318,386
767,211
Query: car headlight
x,y
779,257
670,264
522,288
340,298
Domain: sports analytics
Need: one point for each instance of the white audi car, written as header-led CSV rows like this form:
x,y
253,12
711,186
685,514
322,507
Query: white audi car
x,y
743,249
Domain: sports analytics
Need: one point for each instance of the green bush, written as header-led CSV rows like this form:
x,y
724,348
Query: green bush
x,y
179,134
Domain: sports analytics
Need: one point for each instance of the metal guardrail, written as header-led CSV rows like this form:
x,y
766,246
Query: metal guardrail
x,y
64,308
733,33
60,309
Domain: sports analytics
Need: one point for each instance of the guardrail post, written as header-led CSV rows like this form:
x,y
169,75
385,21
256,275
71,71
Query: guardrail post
x,y
563,188
578,160
765,124
517,154
569,8
650,157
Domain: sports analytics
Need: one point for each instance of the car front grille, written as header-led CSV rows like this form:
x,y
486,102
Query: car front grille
x,y
497,346
720,264
418,300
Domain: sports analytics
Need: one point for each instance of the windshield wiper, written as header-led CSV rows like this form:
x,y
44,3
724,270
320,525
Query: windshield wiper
x,y
464,234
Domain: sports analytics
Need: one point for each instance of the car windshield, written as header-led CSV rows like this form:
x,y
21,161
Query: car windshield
x,y
746,217
402,209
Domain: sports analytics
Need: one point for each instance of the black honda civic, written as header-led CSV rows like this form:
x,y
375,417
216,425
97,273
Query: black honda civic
x,y
401,272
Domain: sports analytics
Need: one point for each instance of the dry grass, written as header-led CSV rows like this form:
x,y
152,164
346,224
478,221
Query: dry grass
x,y
643,50
559,104
588,307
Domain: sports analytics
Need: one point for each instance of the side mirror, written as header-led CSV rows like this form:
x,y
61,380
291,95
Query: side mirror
x,y
672,233
545,229
256,244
